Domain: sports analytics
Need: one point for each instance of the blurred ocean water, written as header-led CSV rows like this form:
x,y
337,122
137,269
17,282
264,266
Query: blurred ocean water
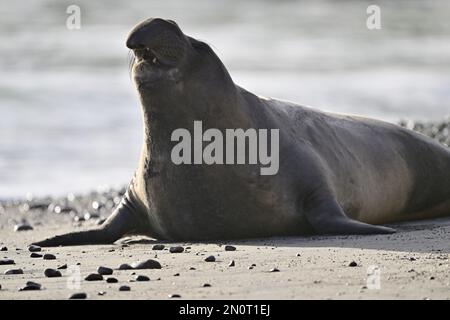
x,y
69,114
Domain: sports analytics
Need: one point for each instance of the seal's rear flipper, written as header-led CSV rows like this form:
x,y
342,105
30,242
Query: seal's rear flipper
x,y
327,217
123,221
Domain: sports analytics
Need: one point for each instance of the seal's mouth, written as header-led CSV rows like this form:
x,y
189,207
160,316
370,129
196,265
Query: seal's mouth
x,y
145,54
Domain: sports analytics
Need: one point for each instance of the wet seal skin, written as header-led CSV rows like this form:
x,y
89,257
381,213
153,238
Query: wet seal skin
x,y
338,174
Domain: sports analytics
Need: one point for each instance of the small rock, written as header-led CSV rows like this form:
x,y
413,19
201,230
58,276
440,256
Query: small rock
x,y
3,249
230,248
78,219
79,295
34,248
100,221
177,249
206,285
171,296
52,273
192,268
176,275
4,262
88,216
124,288
142,278
232,263
210,259
353,264
125,266
49,256
297,255
105,271
22,227
274,270
35,255
148,264
63,267
432,278
112,280
13,271
94,277
96,205
412,259
158,247
31,286
101,293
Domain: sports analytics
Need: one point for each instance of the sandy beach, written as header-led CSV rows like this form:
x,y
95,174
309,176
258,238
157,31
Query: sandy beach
x,y
413,264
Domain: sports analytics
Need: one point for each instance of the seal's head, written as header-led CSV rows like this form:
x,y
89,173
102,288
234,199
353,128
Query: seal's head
x,y
168,62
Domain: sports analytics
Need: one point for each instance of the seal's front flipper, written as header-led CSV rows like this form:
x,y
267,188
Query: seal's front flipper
x,y
123,221
327,217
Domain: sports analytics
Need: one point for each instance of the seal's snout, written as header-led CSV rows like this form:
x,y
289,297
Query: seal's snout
x,y
158,38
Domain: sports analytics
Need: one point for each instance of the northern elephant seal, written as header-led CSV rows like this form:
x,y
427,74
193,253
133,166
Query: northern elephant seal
x,y
338,174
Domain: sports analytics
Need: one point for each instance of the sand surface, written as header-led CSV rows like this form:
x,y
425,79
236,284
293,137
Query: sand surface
x,y
411,264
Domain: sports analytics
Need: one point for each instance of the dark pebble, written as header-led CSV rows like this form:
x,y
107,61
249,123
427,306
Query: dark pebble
x,y
148,264
124,288
176,249
171,296
64,266
158,247
112,280
125,266
232,263
22,227
31,286
176,275
432,278
94,277
230,248
210,259
412,259
105,271
192,268
34,248
52,273
353,264
3,249
96,205
78,219
100,221
13,271
101,293
206,285
274,270
35,255
4,262
35,206
49,256
59,209
79,295
142,278
88,216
